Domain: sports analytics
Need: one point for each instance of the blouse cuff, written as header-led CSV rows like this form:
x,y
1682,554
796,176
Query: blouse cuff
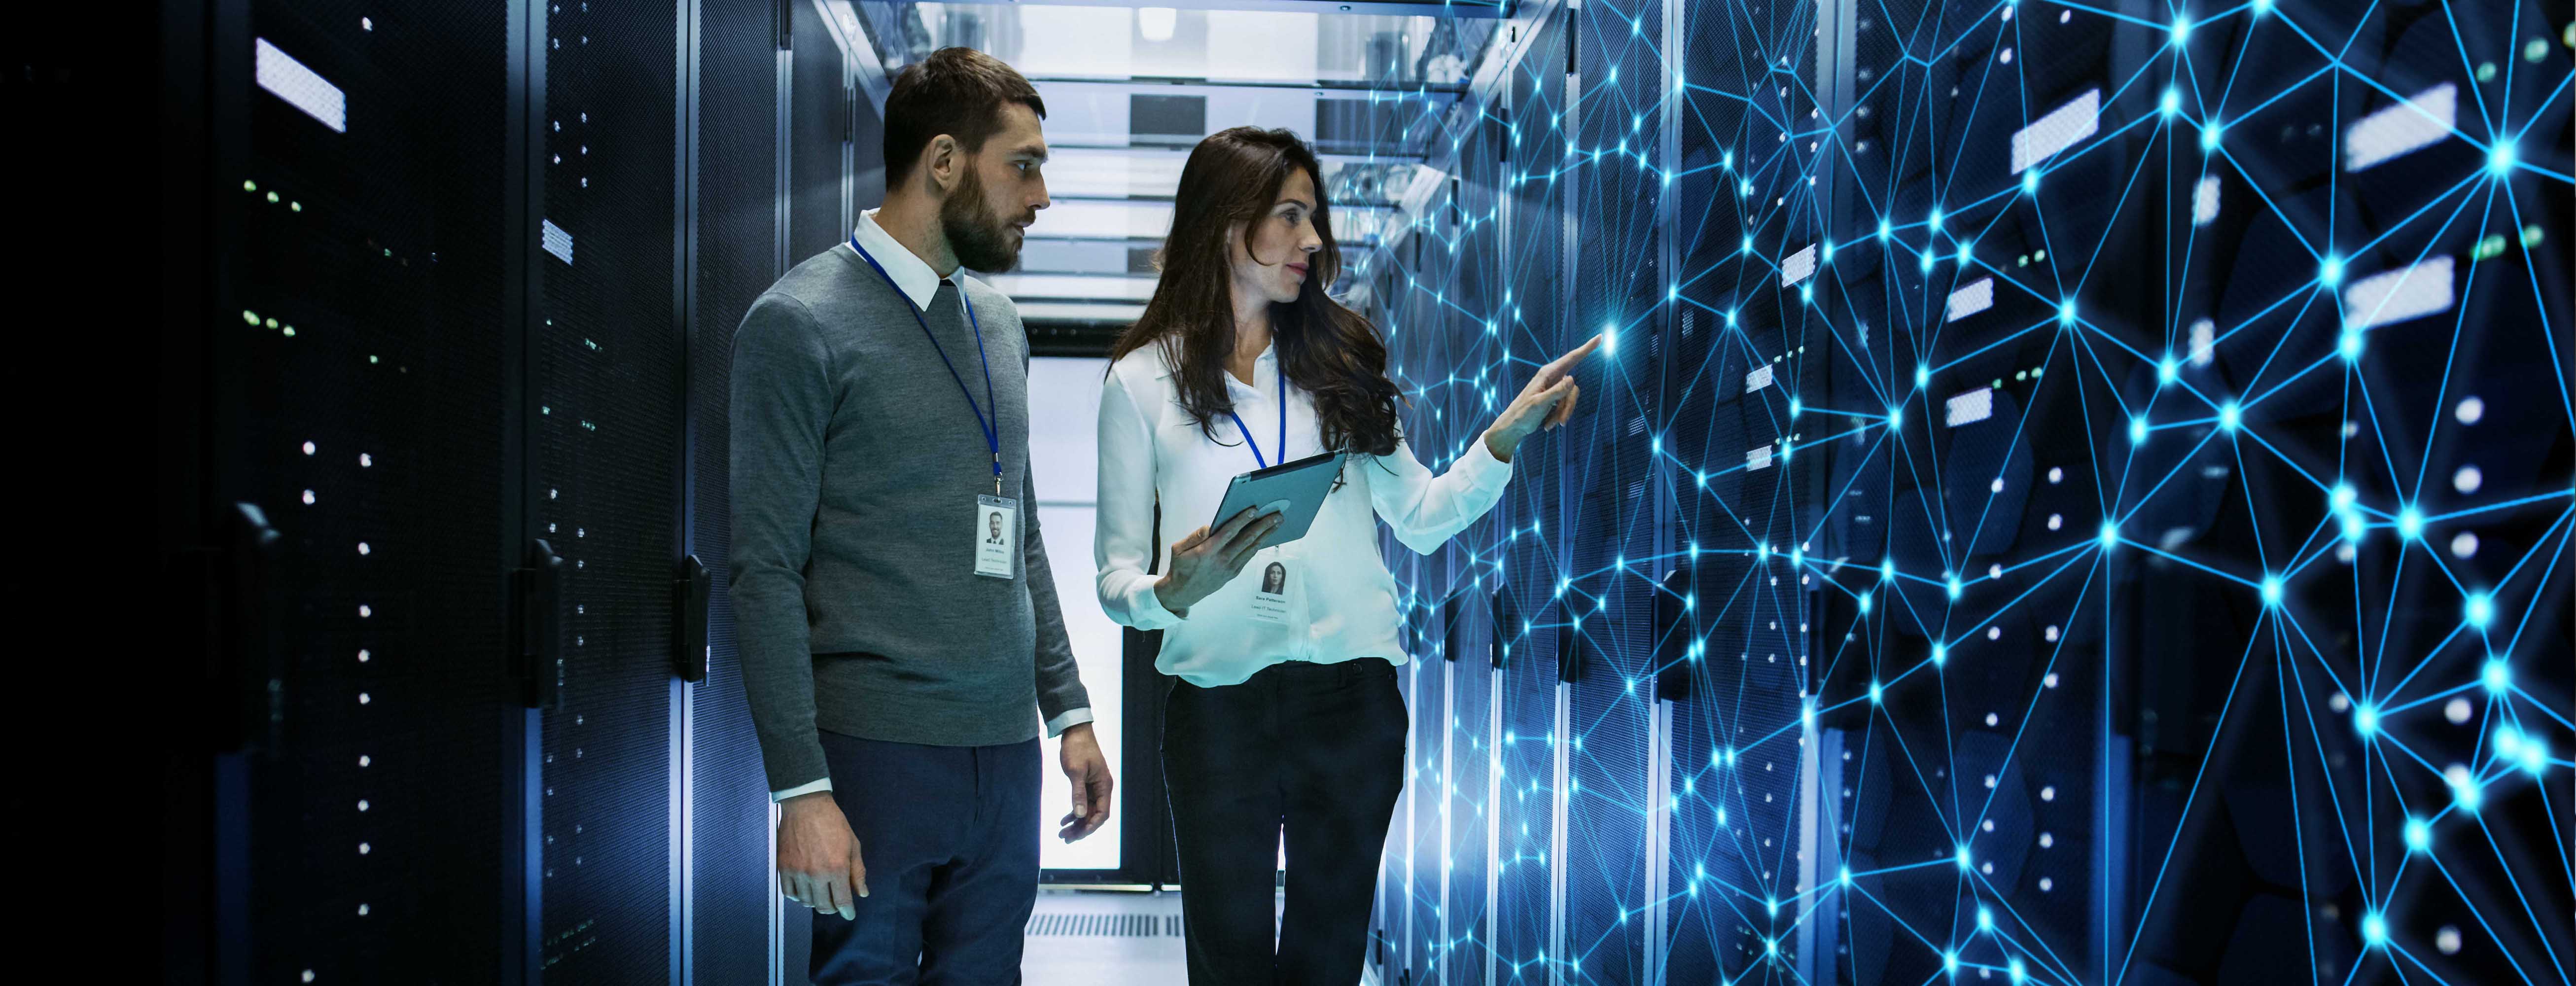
x,y
1145,609
1479,467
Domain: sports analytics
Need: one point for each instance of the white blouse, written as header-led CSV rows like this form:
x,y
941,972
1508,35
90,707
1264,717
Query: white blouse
x,y
1341,599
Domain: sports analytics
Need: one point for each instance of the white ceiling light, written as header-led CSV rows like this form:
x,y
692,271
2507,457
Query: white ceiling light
x,y
1155,23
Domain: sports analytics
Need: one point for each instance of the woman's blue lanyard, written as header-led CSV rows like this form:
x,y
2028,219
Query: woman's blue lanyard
x,y
992,438
1281,449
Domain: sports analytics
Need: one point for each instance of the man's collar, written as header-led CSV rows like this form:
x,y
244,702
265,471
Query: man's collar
x,y
910,273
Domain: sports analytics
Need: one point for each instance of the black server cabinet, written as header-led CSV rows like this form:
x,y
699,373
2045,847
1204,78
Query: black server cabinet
x,y
357,423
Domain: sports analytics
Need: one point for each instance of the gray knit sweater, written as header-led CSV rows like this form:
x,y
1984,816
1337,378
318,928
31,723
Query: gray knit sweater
x,y
856,463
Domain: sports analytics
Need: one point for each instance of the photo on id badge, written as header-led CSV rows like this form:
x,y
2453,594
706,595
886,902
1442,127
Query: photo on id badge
x,y
997,531
1270,600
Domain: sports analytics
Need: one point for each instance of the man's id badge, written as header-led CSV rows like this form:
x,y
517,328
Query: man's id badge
x,y
1270,598
997,537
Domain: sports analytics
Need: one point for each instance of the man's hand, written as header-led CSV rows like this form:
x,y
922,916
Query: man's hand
x,y
1089,772
818,855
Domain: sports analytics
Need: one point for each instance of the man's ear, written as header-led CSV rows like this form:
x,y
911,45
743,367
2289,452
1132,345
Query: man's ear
x,y
942,164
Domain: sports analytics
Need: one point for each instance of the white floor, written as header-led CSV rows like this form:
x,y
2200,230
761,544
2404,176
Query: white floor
x,y
1106,938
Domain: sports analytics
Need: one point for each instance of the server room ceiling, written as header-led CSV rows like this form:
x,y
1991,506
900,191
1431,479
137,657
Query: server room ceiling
x,y
1130,89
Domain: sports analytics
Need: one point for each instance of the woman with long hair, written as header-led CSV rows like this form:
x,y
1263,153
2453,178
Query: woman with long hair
x,y
1283,713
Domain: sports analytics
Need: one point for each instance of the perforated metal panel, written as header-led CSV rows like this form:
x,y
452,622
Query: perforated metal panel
x,y
359,357
736,223
605,444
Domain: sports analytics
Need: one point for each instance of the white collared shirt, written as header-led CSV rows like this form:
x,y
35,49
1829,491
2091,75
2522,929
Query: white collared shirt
x,y
1341,598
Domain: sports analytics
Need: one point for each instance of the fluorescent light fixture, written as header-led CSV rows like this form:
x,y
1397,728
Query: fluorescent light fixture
x,y
1972,299
1799,266
2398,295
1758,457
2204,342
2416,123
555,240
1972,406
1758,379
301,87
2204,201
1155,23
1075,287
1079,311
2059,130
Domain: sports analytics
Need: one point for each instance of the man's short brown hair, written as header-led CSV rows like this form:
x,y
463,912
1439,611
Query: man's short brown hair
x,y
956,91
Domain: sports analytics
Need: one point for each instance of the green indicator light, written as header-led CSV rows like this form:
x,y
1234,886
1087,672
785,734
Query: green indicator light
x,y
290,331
2021,374
2041,255
271,323
250,317
1998,384
249,185
296,206
389,251
2486,71
272,198
2038,373
545,410
2531,236
2535,50
371,359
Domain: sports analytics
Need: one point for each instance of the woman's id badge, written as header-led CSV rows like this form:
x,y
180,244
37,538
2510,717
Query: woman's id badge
x,y
1270,599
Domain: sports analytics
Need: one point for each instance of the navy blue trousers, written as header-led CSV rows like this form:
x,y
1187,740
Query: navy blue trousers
x,y
950,838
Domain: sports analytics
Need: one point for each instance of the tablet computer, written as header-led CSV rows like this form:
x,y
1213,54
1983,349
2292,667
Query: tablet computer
x,y
1293,489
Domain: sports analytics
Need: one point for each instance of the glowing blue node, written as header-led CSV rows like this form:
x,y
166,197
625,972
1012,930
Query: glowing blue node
x,y
2341,497
1941,656
2030,181
1864,603
1793,407
1985,919
2271,590
2262,7
2110,534
1927,260
2497,677
1954,587
2374,929
2365,719
1922,375
1773,904
2016,971
1950,961
2181,29
2419,835
1609,338
2170,104
2167,369
2330,272
1896,417
1771,946
1883,229
1967,252
1875,694
1846,876
1887,570
1829,251
2137,431
2465,792
2349,346
2209,135
2410,523
1933,220
2229,415
2066,312
1807,293
2478,610
2500,158
1748,244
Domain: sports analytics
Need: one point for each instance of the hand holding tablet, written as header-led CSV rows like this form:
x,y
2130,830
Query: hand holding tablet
x,y
1262,508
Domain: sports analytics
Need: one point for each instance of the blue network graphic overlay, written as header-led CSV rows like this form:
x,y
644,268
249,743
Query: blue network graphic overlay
x,y
2073,493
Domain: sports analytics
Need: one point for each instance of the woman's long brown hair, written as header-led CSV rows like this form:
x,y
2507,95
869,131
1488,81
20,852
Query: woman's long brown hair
x,y
1327,350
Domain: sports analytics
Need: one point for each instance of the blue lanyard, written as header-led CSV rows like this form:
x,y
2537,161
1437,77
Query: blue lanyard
x,y
1280,449
992,438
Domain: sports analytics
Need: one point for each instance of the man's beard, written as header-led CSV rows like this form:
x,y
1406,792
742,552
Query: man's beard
x,y
980,241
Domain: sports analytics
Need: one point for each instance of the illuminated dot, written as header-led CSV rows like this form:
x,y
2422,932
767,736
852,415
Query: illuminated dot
x,y
2410,523
2228,416
2137,431
2365,719
2500,158
2419,835
2350,345
2181,29
2468,479
2479,609
2110,534
1985,919
1896,417
1883,229
1922,375
2374,929
2470,410
1875,693
2497,676
1609,338
1941,656
2448,940
1934,219
2030,181
1967,252
2171,103
2271,590
1887,569
2209,135
1954,587
2330,272
1864,602
2167,369
2066,312
2465,792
